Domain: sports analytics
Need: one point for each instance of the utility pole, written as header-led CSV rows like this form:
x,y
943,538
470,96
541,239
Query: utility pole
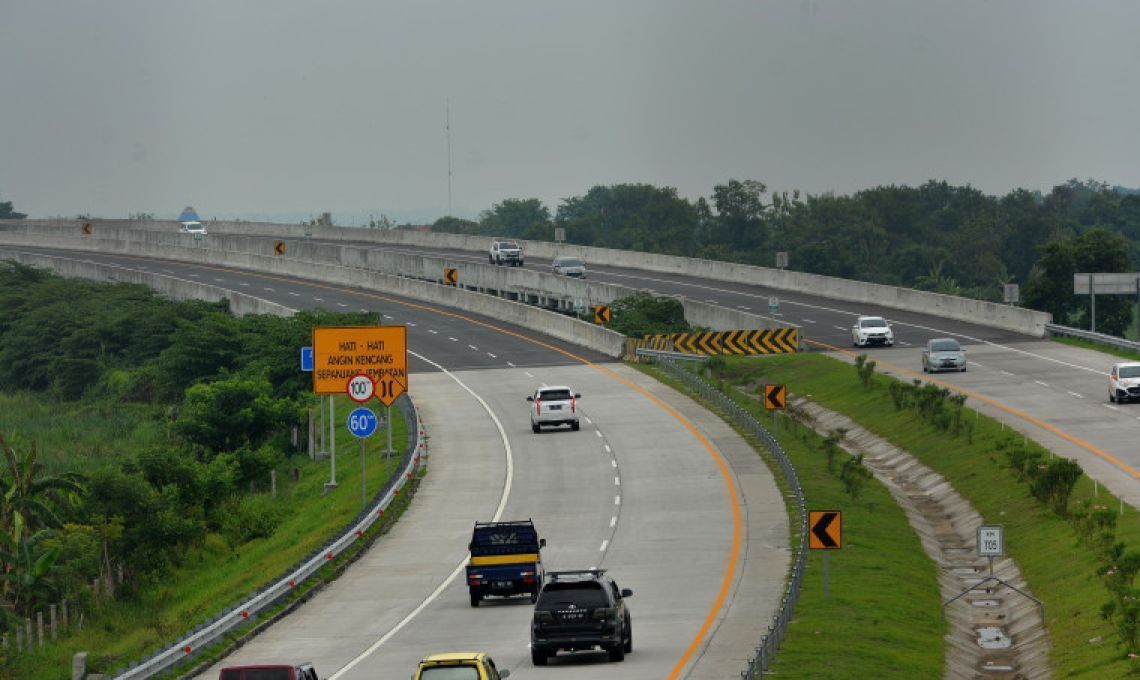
x,y
448,128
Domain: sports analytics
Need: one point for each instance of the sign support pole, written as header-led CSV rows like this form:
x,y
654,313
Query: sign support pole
x,y
826,580
363,479
332,443
388,449
1092,300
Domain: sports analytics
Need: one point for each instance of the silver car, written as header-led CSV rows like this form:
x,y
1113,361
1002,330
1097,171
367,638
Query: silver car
x,y
943,354
569,266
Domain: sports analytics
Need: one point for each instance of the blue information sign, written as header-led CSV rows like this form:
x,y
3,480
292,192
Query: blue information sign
x,y
362,422
307,359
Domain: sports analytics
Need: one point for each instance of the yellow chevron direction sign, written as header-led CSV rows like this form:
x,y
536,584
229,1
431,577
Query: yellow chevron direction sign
x,y
86,228
743,342
602,314
826,529
775,397
279,247
450,276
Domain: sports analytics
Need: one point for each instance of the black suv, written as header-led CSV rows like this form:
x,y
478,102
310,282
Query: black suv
x,y
580,610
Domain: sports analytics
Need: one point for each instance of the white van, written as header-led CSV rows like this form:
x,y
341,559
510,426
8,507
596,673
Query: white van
x,y
192,228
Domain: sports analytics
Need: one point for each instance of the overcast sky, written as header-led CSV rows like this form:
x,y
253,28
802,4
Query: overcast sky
x,y
283,106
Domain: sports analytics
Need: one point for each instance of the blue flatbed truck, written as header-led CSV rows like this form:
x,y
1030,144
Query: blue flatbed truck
x,y
506,560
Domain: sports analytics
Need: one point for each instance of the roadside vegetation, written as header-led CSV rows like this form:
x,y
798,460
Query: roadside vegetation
x,y
1075,544
153,464
881,618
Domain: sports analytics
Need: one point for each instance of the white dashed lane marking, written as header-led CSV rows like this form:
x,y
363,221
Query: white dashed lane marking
x,y
452,339
473,347
1078,396
244,283
528,374
599,433
317,299
411,324
1043,384
492,355
1110,406
807,320
1006,372
604,544
617,481
617,500
341,304
294,294
608,449
433,331
388,317
613,521
510,364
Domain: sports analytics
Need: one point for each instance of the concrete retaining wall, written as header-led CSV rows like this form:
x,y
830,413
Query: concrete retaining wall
x,y
175,289
992,314
515,283
184,248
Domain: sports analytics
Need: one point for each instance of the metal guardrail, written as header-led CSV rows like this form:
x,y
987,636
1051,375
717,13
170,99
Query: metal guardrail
x,y
1111,340
666,354
770,643
184,653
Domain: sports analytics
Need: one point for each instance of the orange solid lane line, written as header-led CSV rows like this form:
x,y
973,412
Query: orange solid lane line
x,y
996,404
726,475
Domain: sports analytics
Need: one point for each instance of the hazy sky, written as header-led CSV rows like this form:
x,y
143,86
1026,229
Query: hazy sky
x,y
282,106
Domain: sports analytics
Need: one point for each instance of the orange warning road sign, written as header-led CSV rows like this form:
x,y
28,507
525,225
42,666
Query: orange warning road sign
x,y
774,397
601,314
380,352
825,529
86,228
450,276
279,247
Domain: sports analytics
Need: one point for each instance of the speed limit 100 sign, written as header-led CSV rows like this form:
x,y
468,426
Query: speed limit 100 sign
x,y
360,388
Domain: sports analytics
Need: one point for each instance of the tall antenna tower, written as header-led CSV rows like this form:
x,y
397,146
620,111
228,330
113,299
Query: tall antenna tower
x,y
448,127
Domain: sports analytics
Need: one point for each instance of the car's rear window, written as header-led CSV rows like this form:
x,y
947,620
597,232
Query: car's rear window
x,y
945,346
554,395
569,262
555,595
1129,372
450,673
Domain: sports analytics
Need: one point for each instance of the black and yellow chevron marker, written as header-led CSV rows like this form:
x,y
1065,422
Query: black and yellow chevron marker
x,y
742,342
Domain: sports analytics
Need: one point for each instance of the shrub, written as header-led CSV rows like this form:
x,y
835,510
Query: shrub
x,y
1054,482
250,517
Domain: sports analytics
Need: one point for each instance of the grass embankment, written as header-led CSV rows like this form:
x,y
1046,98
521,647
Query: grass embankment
x,y
1110,350
882,618
214,575
1059,568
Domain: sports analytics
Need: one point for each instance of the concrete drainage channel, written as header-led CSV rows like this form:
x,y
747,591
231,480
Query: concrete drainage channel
x,y
994,632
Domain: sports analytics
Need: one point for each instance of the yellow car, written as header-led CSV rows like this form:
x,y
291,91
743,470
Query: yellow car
x,y
459,666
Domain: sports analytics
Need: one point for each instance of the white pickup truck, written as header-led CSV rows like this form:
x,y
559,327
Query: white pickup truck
x,y
505,251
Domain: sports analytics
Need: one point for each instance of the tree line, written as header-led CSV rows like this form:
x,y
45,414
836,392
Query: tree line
x,y
222,393
937,237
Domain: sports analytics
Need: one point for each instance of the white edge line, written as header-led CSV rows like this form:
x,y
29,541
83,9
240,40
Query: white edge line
x,y
604,544
459,568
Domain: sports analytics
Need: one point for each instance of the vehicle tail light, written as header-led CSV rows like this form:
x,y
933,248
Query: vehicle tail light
x,y
543,617
573,404
603,613
537,407
474,579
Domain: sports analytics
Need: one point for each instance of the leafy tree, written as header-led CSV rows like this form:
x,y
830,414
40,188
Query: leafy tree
x,y
232,413
455,225
630,217
1050,286
8,213
740,214
641,313
517,218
